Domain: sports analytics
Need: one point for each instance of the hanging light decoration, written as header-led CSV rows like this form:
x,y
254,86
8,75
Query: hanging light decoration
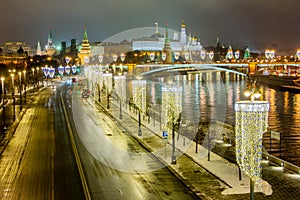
x,y
139,94
211,55
163,56
67,69
152,56
229,54
122,56
61,70
237,54
46,70
51,72
67,59
177,54
202,54
74,68
251,123
100,58
115,57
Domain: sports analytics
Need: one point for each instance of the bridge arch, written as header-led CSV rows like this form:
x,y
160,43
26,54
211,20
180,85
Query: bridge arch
x,y
162,68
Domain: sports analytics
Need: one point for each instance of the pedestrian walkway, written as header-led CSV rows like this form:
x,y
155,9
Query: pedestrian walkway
x,y
213,179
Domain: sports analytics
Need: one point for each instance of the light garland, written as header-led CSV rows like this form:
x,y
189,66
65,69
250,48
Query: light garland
x,y
251,123
139,94
171,105
107,77
120,87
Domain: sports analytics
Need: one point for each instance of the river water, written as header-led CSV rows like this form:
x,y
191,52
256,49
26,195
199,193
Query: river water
x,y
214,98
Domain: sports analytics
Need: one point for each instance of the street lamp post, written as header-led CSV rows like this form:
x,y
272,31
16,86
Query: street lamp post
x,y
139,99
108,86
3,103
25,85
20,85
251,123
13,92
33,77
171,109
120,90
37,75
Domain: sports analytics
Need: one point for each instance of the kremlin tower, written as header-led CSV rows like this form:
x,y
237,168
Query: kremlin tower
x,y
49,47
167,48
85,50
39,49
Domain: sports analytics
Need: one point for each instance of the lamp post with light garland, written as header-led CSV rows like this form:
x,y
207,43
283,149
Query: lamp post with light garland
x,y
251,122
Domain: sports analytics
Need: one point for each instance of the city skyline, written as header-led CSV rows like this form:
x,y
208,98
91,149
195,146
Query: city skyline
x,y
234,22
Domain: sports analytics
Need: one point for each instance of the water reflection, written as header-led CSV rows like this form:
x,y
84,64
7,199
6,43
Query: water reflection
x,y
208,96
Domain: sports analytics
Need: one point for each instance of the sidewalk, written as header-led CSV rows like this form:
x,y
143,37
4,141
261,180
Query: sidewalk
x,y
214,179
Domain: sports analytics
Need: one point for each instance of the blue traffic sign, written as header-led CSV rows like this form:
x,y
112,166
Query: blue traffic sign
x,y
165,134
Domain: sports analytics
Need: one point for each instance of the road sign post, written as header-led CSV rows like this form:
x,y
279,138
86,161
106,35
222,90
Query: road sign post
x,y
165,139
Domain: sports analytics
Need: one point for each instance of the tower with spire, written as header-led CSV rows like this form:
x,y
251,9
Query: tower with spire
x,y
183,34
39,49
167,48
85,48
49,47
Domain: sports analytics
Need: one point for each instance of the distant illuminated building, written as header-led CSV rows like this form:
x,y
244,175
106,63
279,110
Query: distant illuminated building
x,y
85,50
15,46
247,53
39,49
156,42
49,47
183,34
167,48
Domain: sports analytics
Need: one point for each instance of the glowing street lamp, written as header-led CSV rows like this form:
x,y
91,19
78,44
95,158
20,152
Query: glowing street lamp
x,y
3,103
171,109
251,123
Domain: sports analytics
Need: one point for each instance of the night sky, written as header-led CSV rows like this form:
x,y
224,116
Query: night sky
x,y
235,22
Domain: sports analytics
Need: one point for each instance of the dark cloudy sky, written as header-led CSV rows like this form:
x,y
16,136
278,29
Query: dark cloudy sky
x,y
236,22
